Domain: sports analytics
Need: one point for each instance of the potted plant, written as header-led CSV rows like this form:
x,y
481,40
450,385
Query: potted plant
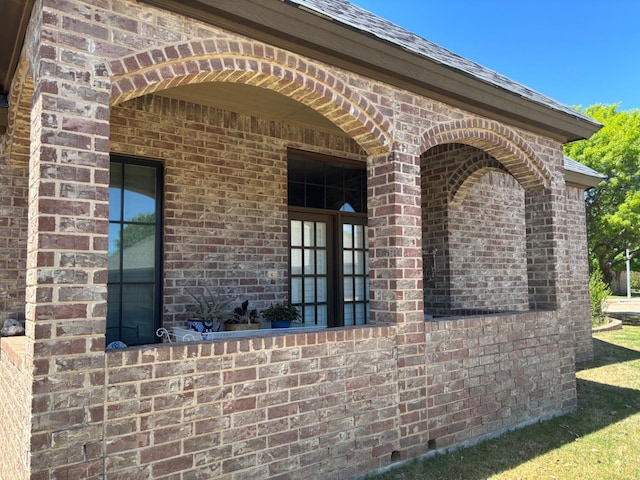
x,y
281,315
243,318
207,313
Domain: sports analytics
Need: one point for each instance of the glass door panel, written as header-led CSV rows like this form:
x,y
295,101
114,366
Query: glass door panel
x,y
311,282
355,274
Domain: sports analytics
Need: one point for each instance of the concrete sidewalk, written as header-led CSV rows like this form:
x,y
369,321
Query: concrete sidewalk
x,y
622,305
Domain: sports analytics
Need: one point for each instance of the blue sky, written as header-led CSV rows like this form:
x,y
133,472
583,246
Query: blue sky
x,y
578,52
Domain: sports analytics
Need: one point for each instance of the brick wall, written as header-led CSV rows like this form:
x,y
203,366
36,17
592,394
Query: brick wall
x,y
305,406
225,205
15,395
577,288
295,406
13,238
490,374
488,246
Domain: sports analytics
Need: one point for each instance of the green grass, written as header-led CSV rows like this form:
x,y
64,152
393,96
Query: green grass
x,y
600,440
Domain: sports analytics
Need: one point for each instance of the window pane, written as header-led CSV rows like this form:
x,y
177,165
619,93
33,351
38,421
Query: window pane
x,y
358,263
296,261
309,262
309,314
348,315
347,236
335,198
296,290
113,311
115,191
347,262
359,289
321,262
138,314
308,234
314,172
114,252
321,293
360,314
314,196
296,170
334,175
139,255
321,315
296,194
358,236
140,194
296,233
309,290
321,234
348,289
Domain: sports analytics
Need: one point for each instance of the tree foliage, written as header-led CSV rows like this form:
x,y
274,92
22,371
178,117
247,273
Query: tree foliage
x,y
599,291
613,207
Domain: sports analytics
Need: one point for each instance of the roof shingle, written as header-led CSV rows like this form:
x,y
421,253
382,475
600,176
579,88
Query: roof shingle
x,y
352,16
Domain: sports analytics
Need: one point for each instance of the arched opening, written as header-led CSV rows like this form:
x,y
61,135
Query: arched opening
x,y
477,233
224,137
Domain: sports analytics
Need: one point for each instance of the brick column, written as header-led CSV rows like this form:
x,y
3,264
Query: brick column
x,y
67,253
541,211
396,284
546,233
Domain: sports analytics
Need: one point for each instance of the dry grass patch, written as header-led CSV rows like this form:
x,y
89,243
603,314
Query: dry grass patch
x,y
600,440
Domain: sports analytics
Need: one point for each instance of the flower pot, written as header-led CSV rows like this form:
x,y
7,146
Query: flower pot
x,y
280,323
202,326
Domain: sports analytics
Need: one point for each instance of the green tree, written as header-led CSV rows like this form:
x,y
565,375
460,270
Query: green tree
x,y
133,233
613,207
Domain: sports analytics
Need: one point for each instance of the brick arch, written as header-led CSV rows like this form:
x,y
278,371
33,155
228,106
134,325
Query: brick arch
x,y
467,174
18,135
253,64
508,148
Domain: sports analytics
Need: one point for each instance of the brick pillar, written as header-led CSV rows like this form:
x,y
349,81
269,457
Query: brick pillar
x,y
396,284
67,254
546,235
542,223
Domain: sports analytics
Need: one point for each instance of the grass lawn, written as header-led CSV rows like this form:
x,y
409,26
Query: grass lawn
x,y
600,440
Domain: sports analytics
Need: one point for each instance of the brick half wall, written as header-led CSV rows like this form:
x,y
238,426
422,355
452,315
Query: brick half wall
x,y
486,375
304,406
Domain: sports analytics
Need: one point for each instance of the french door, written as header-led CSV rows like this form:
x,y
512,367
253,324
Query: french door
x,y
329,270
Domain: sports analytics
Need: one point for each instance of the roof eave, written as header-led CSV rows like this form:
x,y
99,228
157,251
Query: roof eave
x,y
581,180
315,36
311,34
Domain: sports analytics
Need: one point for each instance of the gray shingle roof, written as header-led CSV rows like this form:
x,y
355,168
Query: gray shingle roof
x,y
571,165
352,16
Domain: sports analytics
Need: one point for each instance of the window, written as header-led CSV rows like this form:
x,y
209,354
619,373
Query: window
x,y
328,247
135,251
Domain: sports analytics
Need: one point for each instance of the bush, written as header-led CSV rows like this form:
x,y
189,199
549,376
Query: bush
x,y
598,291
635,281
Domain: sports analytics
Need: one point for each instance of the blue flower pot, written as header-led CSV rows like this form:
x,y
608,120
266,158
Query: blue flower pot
x,y
280,323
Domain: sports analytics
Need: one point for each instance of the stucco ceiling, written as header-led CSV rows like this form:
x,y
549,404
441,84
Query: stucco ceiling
x,y
15,16
253,101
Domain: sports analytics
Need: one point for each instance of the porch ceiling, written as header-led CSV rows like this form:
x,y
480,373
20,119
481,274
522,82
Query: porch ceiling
x,y
251,100
15,14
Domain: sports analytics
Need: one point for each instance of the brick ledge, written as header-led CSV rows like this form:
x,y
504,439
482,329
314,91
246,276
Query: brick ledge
x,y
612,325
13,349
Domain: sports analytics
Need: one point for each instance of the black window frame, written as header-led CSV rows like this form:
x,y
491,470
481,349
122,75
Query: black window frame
x,y
158,260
